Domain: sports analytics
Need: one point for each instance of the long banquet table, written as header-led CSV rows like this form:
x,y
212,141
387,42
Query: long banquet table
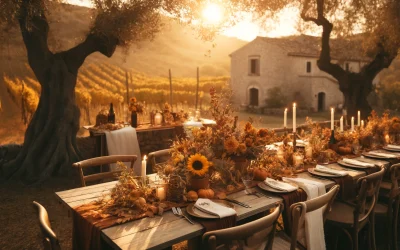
x,y
163,231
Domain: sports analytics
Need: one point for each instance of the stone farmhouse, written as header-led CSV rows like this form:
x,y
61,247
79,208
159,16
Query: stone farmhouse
x,y
290,63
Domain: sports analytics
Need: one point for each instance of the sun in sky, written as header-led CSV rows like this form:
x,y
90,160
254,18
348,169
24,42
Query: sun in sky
x,y
212,13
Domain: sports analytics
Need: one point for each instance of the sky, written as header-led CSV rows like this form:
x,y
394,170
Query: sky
x,y
246,30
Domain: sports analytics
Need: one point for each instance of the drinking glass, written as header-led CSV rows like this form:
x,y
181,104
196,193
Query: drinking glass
x,y
247,178
323,158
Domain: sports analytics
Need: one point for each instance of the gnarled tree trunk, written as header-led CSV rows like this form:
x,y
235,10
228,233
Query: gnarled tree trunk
x,y
50,139
355,86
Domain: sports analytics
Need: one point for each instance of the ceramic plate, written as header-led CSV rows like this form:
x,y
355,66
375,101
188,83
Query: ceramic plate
x,y
265,187
377,156
391,149
340,162
200,214
313,172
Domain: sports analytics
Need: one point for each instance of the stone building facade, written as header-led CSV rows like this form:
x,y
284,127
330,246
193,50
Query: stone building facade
x,y
290,63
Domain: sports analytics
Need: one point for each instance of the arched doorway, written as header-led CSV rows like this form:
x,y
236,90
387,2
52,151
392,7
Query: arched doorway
x,y
253,94
321,101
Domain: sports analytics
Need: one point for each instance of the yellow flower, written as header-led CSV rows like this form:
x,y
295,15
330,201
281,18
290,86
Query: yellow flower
x,y
198,164
231,145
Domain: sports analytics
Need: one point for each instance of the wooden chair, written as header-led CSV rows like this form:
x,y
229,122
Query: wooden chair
x,y
389,210
50,241
102,161
157,158
298,213
251,234
353,217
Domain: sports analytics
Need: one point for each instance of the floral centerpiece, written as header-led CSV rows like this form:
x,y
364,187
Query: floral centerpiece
x,y
135,107
167,114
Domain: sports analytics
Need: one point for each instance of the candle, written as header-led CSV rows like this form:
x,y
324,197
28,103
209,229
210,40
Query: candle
x,y
158,118
362,123
332,118
160,192
285,118
359,118
294,117
279,153
298,161
352,123
144,163
308,151
341,124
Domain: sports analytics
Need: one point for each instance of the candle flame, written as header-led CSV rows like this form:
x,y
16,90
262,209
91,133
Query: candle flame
x,y
341,118
145,158
285,109
294,104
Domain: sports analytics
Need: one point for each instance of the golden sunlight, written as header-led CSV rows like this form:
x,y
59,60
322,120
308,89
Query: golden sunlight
x,y
212,13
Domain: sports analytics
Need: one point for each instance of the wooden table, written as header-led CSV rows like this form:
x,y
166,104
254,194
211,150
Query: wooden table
x,y
163,231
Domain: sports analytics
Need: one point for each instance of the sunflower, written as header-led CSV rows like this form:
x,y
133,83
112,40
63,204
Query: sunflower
x,y
198,164
231,145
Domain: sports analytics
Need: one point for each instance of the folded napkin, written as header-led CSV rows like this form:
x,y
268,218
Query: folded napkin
x,y
382,154
311,230
210,207
279,185
271,147
358,163
327,170
393,146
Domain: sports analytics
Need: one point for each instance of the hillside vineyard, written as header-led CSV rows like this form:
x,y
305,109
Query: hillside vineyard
x,y
98,85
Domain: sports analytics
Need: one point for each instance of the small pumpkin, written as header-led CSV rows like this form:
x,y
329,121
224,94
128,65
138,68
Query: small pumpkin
x,y
344,150
140,202
230,188
192,196
206,193
260,174
220,195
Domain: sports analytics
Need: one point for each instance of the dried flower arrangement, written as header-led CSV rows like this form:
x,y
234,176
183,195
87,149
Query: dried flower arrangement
x,y
318,138
273,165
168,117
130,199
135,106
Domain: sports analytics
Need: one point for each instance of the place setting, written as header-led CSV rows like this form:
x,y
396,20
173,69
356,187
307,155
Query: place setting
x,y
211,209
324,171
392,148
381,155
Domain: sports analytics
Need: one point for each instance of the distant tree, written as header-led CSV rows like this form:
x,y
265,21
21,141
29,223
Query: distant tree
x,y
50,140
275,98
388,88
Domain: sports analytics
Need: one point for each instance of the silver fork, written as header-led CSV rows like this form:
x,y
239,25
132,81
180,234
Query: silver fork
x,y
258,194
178,212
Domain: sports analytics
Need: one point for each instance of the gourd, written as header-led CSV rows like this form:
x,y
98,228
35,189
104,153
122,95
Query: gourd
x,y
192,196
206,193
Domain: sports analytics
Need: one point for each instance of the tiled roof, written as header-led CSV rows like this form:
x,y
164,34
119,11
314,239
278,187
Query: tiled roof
x,y
310,46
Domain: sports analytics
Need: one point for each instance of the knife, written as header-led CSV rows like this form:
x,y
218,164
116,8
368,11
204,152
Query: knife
x,y
238,202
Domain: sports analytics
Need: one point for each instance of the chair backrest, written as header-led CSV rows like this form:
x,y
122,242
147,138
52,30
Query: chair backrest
x,y
299,210
250,234
102,161
158,157
368,191
395,179
50,241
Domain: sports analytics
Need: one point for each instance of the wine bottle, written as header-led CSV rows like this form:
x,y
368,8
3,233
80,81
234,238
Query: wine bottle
x,y
111,114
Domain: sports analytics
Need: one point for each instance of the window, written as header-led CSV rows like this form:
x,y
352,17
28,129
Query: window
x,y
254,66
308,67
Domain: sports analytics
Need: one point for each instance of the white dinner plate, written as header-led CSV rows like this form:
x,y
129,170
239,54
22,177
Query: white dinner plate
x,y
340,162
318,173
391,149
265,187
193,211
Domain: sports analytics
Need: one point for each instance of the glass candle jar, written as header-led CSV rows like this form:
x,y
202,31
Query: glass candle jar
x,y
158,118
298,161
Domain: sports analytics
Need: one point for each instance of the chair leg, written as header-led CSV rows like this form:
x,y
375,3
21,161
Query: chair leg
x,y
372,228
355,239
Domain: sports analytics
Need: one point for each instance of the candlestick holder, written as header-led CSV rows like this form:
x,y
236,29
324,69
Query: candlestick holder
x,y
294,142
332,140
284,131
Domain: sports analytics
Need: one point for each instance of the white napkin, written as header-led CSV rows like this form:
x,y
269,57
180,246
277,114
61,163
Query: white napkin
x,y
324,169
357,163
393,146
313,225
271,147
210,207
279,185
124,142
382,154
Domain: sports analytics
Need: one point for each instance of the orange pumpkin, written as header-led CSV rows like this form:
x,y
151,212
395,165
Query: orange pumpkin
x,y
220,195
192,196
206,193
260,174
230,188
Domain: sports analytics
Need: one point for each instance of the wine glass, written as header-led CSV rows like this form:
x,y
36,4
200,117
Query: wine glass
x,y
247,178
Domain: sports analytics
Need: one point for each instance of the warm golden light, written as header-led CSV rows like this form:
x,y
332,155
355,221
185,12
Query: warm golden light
x,y
212,13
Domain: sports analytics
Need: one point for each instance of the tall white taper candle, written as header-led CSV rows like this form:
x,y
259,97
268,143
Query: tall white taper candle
x,y
332,118
285,118
352,123
294,117
144,166
341,124
359,118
